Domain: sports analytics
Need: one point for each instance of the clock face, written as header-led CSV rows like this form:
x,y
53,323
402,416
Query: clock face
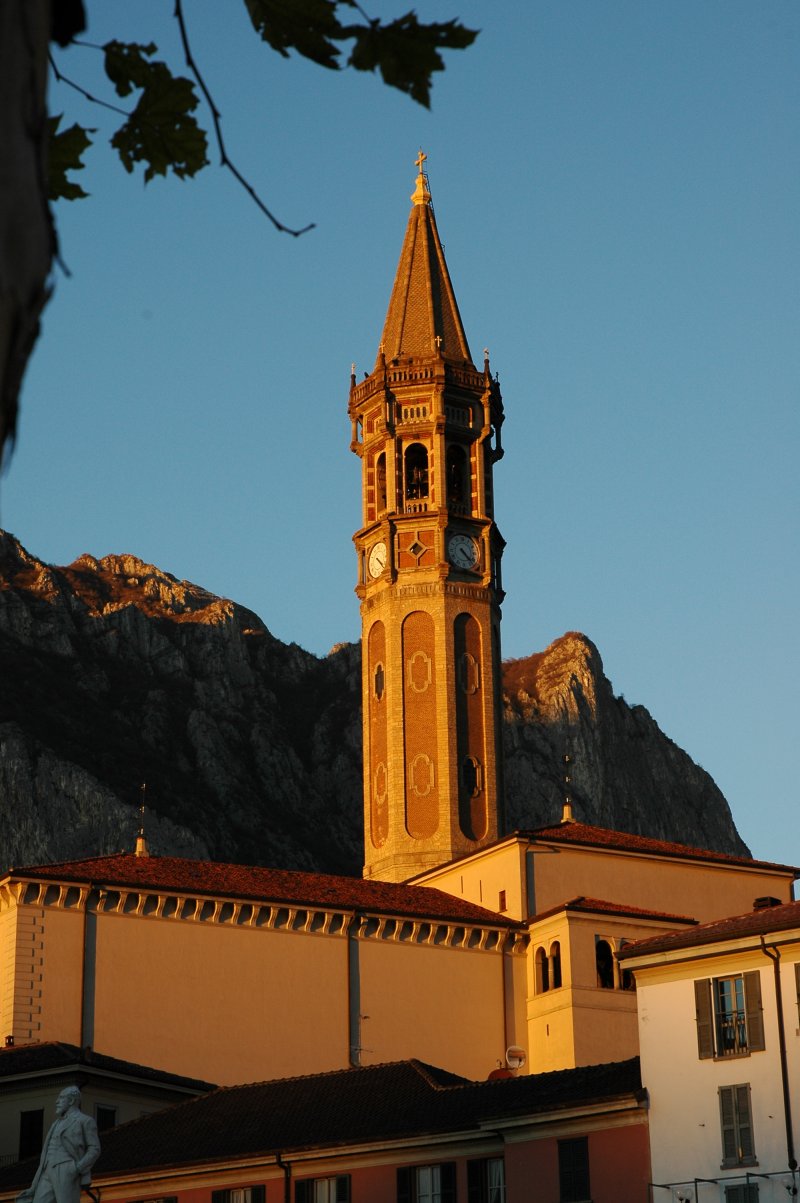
x,y
377,559
462,551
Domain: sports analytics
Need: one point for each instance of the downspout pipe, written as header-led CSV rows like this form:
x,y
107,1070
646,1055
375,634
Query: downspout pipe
x,y
775,956
287,1178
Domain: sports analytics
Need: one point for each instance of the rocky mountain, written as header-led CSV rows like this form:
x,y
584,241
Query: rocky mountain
x,y
114,673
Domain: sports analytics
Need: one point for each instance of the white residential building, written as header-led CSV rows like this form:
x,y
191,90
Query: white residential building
x,y
719,1033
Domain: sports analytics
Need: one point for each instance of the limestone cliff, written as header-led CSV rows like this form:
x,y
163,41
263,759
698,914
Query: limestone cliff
x,y
114,673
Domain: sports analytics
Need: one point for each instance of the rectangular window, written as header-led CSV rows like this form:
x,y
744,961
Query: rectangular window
x,y
742,1192
31,1130
105,1116
427,1183
737,1125
239,1194
573,1170
486,1180
729,1017
323,1190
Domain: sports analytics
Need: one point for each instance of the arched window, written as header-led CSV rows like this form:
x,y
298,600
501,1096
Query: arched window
x,y
604,961
457,481
542,974
416,464
380,482
626,979
555,964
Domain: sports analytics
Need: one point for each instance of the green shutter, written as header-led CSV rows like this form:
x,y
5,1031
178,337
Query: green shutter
x,y
304,1191
447,1172
745,1124
405,1181
476,1176
257,1194
705,1018
754,1011
219,1196
727,1115
343,1188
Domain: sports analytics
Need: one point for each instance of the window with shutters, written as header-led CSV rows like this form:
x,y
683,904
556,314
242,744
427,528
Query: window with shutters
x,y
323,1190
742,1192
241,1194
730,1022
486,1180
737,1126
427,1183
573,1170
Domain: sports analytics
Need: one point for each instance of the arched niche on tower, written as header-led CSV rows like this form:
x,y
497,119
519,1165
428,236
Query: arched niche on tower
x,y
459,487
473,810
415,476
378,735
381,495
420,725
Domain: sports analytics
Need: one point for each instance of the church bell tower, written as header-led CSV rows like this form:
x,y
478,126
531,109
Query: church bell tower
x,y
426,426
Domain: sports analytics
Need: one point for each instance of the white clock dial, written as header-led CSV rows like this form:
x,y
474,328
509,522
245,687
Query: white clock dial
x,y
377,559
462,551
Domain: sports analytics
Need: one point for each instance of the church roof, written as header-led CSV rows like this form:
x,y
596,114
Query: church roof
x,y
340,1109
423,306
255,883
761,922
599,906
586,835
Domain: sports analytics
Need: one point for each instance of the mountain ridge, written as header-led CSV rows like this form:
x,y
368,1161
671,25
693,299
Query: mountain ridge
x,y
115,672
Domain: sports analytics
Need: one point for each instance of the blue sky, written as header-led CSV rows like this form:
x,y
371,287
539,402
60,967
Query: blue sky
x,y
617,185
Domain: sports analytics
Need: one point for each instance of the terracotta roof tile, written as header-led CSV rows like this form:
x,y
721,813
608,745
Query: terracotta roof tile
x,y
376,1103
623,841
254,883
754,923
599,906
22,1059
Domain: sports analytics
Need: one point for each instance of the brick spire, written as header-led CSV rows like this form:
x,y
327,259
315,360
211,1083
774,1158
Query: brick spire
x,y
423,318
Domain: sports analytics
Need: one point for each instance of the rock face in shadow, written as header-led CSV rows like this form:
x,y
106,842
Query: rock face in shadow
x,y
114,673
626,774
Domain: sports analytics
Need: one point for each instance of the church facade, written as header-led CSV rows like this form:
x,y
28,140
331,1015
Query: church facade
x,y
461,941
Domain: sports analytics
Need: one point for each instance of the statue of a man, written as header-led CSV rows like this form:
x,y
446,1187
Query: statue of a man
x,y
69,1151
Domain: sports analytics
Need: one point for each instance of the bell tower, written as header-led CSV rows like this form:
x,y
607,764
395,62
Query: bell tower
x,y
426,426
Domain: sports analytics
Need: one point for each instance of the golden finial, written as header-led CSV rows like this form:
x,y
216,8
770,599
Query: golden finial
x,y
141,842
421,195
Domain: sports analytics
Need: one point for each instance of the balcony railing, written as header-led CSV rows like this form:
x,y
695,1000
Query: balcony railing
x,y
731,1034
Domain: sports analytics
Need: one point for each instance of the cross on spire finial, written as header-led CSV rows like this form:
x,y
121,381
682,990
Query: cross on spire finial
x,y
421,195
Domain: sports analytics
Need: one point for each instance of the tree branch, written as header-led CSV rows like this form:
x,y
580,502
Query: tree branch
x,y
216,116
62,79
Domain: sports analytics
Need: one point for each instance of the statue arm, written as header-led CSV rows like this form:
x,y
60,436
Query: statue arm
x,y
92,1145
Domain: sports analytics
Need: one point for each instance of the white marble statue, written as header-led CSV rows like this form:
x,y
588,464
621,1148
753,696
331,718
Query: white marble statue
x,y
69,1151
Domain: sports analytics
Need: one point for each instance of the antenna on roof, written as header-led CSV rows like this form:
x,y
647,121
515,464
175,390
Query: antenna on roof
x,y
566,814
141,843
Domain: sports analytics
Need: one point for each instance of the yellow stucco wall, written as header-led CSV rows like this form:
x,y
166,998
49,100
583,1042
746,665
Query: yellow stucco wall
x,y
442,1005
699,890
226,1004
235,1003
557,872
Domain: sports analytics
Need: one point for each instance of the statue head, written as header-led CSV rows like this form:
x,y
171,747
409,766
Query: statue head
x,y
70,1097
